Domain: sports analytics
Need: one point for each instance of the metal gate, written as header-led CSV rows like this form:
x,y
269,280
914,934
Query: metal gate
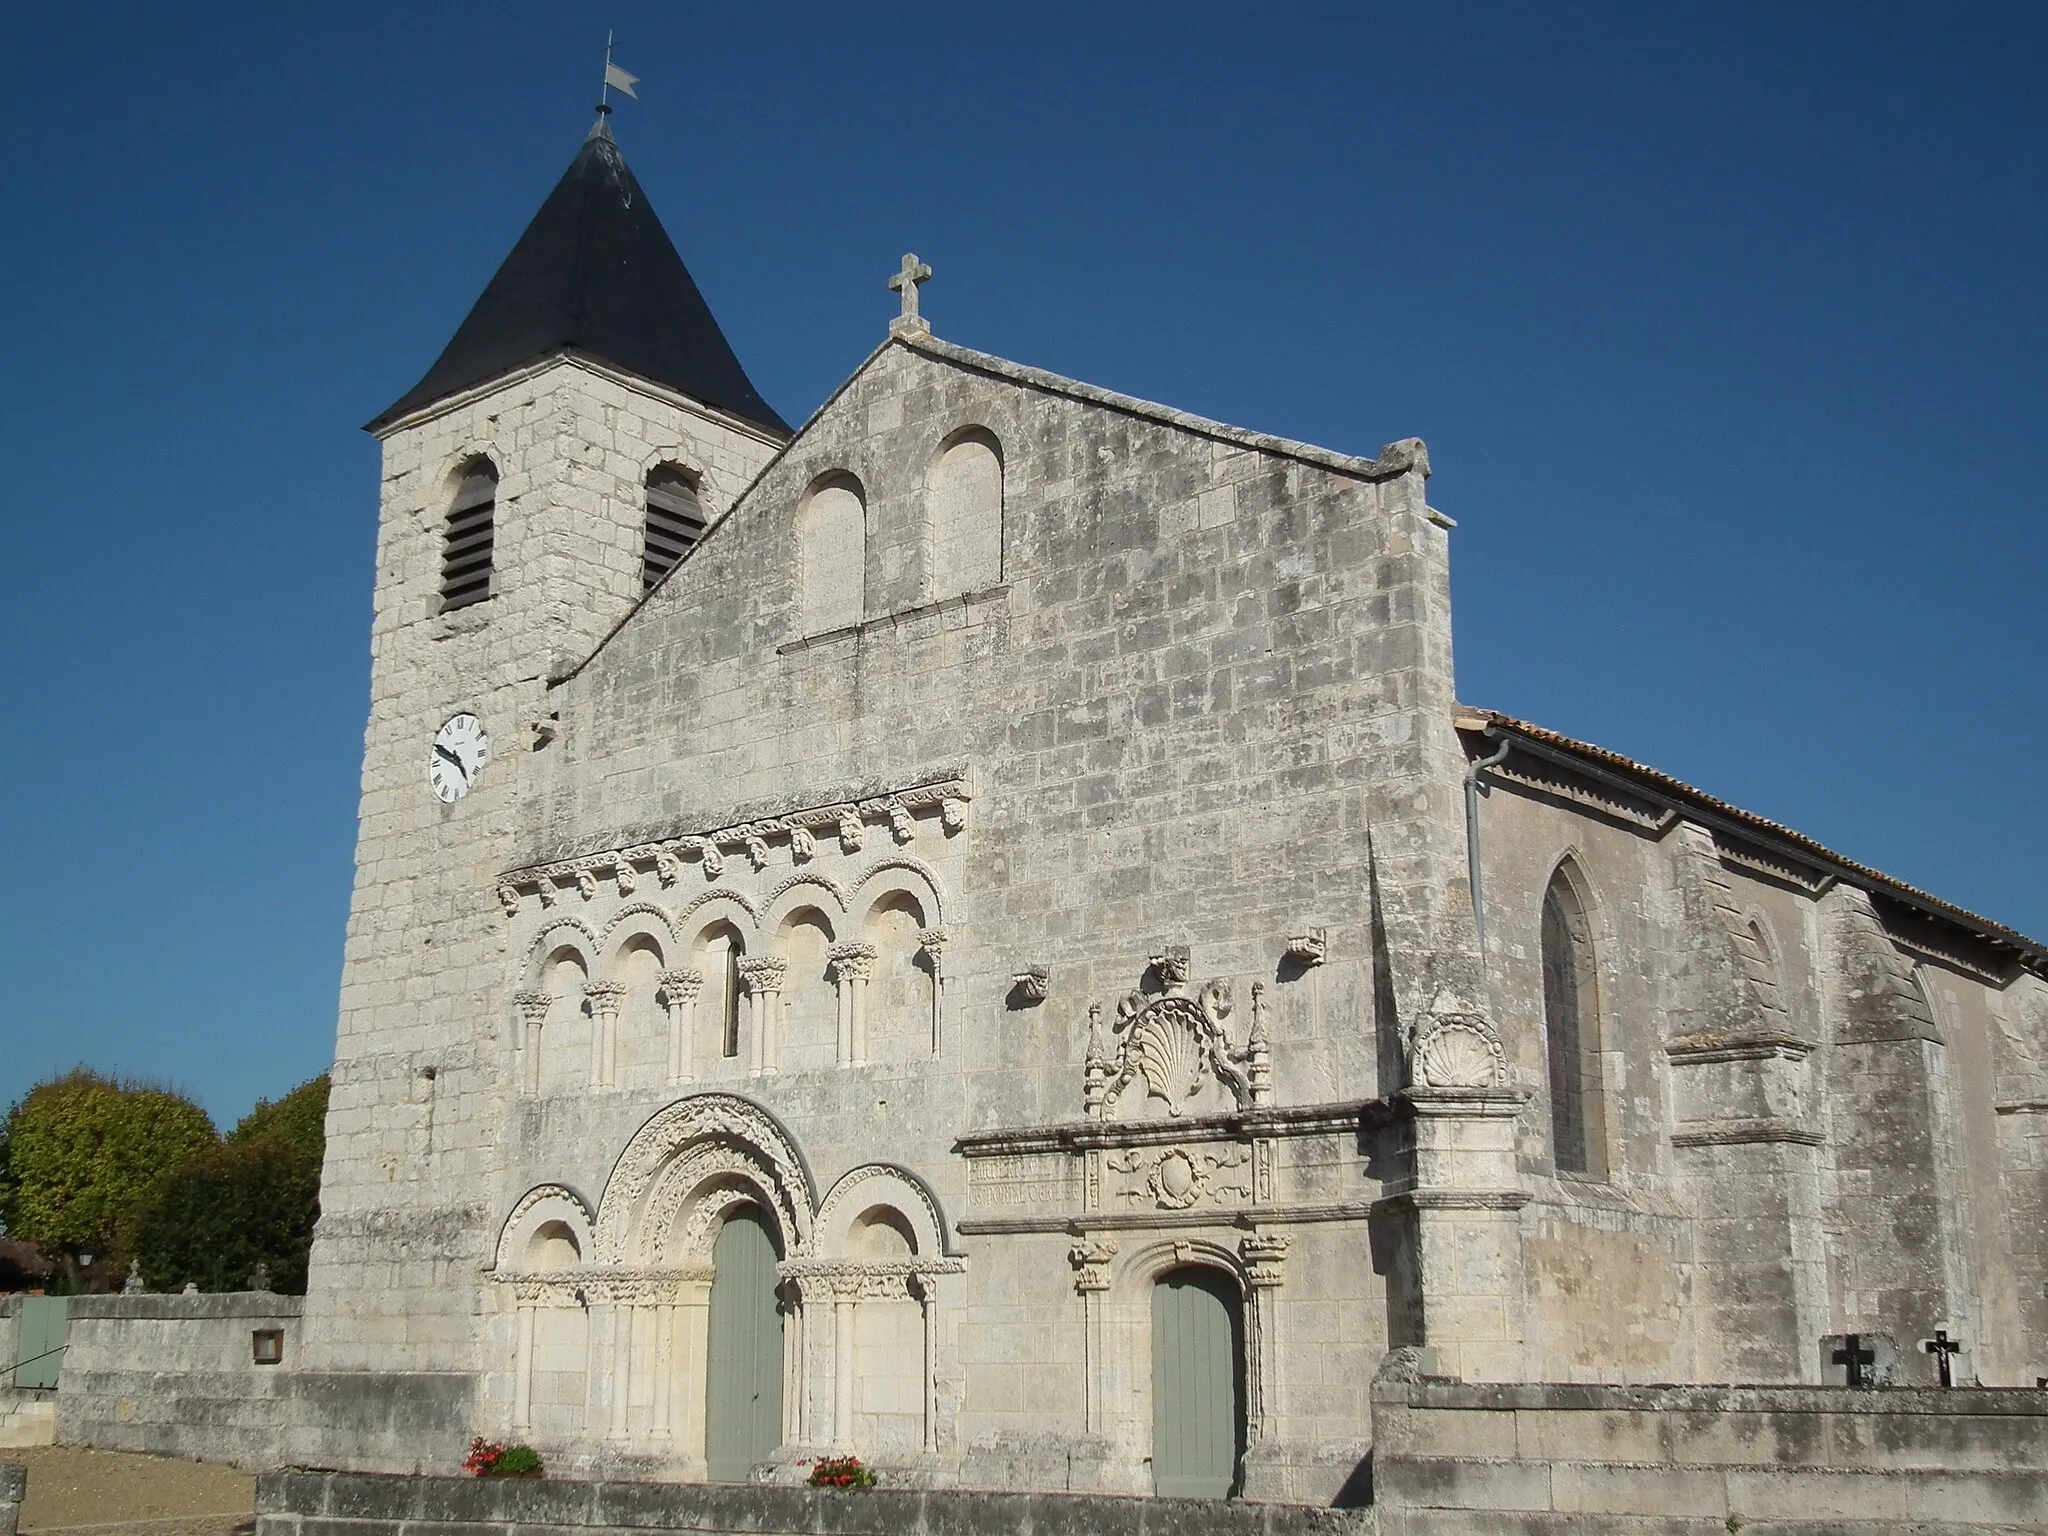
x,y
39,1346
1197,1384
743,1376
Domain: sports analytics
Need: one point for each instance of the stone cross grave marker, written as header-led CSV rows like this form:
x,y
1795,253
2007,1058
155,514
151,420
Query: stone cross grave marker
x,y
1942,1347
1859,1360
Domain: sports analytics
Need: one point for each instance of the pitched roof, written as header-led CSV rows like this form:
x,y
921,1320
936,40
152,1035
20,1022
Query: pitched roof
x,y
1708,810
595,274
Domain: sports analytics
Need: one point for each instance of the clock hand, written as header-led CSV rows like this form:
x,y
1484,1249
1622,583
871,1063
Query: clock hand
x,y
441,751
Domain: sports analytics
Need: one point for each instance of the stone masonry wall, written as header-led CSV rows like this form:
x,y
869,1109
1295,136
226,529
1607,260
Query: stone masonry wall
x,y
1457,1460
176,1376
411,1164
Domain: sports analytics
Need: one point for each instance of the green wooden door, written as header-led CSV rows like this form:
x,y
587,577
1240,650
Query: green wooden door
x,y
39,1350
743,1377
1197,1384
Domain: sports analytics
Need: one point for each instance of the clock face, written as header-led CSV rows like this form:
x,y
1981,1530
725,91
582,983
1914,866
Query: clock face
x,y
459,753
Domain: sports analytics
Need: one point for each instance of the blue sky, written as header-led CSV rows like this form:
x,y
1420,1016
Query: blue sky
x,y
1725,327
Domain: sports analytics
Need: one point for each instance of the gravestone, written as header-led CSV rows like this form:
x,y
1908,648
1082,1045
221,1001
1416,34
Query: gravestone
x,y
1859,1360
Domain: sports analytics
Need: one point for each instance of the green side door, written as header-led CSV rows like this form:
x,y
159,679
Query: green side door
x,y
743,1376
1197,1384
39,1351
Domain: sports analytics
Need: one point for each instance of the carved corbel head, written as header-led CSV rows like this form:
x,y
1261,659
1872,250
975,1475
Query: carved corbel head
x,y
902,825
851,830
1171,966
952,814
1309,947
508,898
1032,982
586,882
801,844
625,875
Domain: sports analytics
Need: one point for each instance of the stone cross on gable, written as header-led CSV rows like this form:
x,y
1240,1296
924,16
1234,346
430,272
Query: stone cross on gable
x,y
905,282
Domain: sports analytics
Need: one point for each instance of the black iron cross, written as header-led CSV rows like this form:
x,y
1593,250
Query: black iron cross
x,y
1855,1357
1941,1346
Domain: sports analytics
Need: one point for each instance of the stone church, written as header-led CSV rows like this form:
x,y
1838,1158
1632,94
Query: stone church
x,y
977,932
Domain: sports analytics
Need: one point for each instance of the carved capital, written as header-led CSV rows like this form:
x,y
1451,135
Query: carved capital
x,y
533,1006
681,985
604,996
852,962
1263,1254
1091,1259
933,942
762,973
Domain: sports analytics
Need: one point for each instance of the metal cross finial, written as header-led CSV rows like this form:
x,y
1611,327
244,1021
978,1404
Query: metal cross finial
x,y
910,322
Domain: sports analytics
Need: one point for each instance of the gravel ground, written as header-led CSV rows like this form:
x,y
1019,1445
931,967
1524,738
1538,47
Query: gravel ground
x,y
111,1493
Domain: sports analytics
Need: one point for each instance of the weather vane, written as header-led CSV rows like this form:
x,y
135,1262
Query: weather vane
x,y
615,79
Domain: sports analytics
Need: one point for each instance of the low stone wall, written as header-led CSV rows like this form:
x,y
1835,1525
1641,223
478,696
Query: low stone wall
x,y
346,1504
177,1376
1454,1459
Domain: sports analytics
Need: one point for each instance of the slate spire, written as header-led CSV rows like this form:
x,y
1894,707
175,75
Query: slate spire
x,y
595,274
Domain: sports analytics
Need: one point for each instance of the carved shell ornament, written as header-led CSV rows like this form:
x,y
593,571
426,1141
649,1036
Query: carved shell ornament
x,y
1171,1043
1456,1048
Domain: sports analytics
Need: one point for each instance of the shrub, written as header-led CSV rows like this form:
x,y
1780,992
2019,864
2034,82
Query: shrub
x,y
493,1458
213,1220
841,1472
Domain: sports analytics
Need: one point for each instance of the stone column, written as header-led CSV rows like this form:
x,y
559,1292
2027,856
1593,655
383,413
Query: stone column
x,y
664,1366
853,966
598,1374
679,989
933,942
533,1016
1264,1254
693,1347
1091,1261
843,1304
527,1299
761,977
605,997
927,1288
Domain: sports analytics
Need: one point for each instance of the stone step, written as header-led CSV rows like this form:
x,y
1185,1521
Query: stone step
x,y
26,1421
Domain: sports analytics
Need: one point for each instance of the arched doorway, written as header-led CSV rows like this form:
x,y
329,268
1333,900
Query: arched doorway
x,y
1197,1384
743,1370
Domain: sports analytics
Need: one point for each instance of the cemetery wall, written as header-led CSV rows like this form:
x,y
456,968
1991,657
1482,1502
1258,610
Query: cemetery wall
x,y
344,1504
177,1376
1452,1458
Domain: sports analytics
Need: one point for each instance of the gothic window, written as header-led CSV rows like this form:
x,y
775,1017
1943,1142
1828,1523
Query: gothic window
x,y
1571,1027
964,501
675,522
466,547
832,539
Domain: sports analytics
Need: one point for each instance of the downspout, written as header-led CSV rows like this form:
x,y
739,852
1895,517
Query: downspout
x,y
1472,873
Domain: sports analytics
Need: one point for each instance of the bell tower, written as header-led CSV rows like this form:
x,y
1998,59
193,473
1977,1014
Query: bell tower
x,y
588,383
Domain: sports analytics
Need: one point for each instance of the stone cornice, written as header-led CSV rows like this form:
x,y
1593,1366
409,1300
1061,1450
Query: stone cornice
x,y
1743,1133
1081,1135
794,830
1691,1050
1131,1221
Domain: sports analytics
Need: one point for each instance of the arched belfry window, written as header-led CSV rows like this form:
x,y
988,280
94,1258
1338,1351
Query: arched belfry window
x,y
1571,1031
466,549
675,522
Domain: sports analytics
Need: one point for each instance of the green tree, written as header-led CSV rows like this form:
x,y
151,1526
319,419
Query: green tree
x,y
298,1121
251,1202
81,1150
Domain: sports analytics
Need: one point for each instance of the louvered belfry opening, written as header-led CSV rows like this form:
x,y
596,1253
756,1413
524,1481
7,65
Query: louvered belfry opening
x,y
466,556
675,522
